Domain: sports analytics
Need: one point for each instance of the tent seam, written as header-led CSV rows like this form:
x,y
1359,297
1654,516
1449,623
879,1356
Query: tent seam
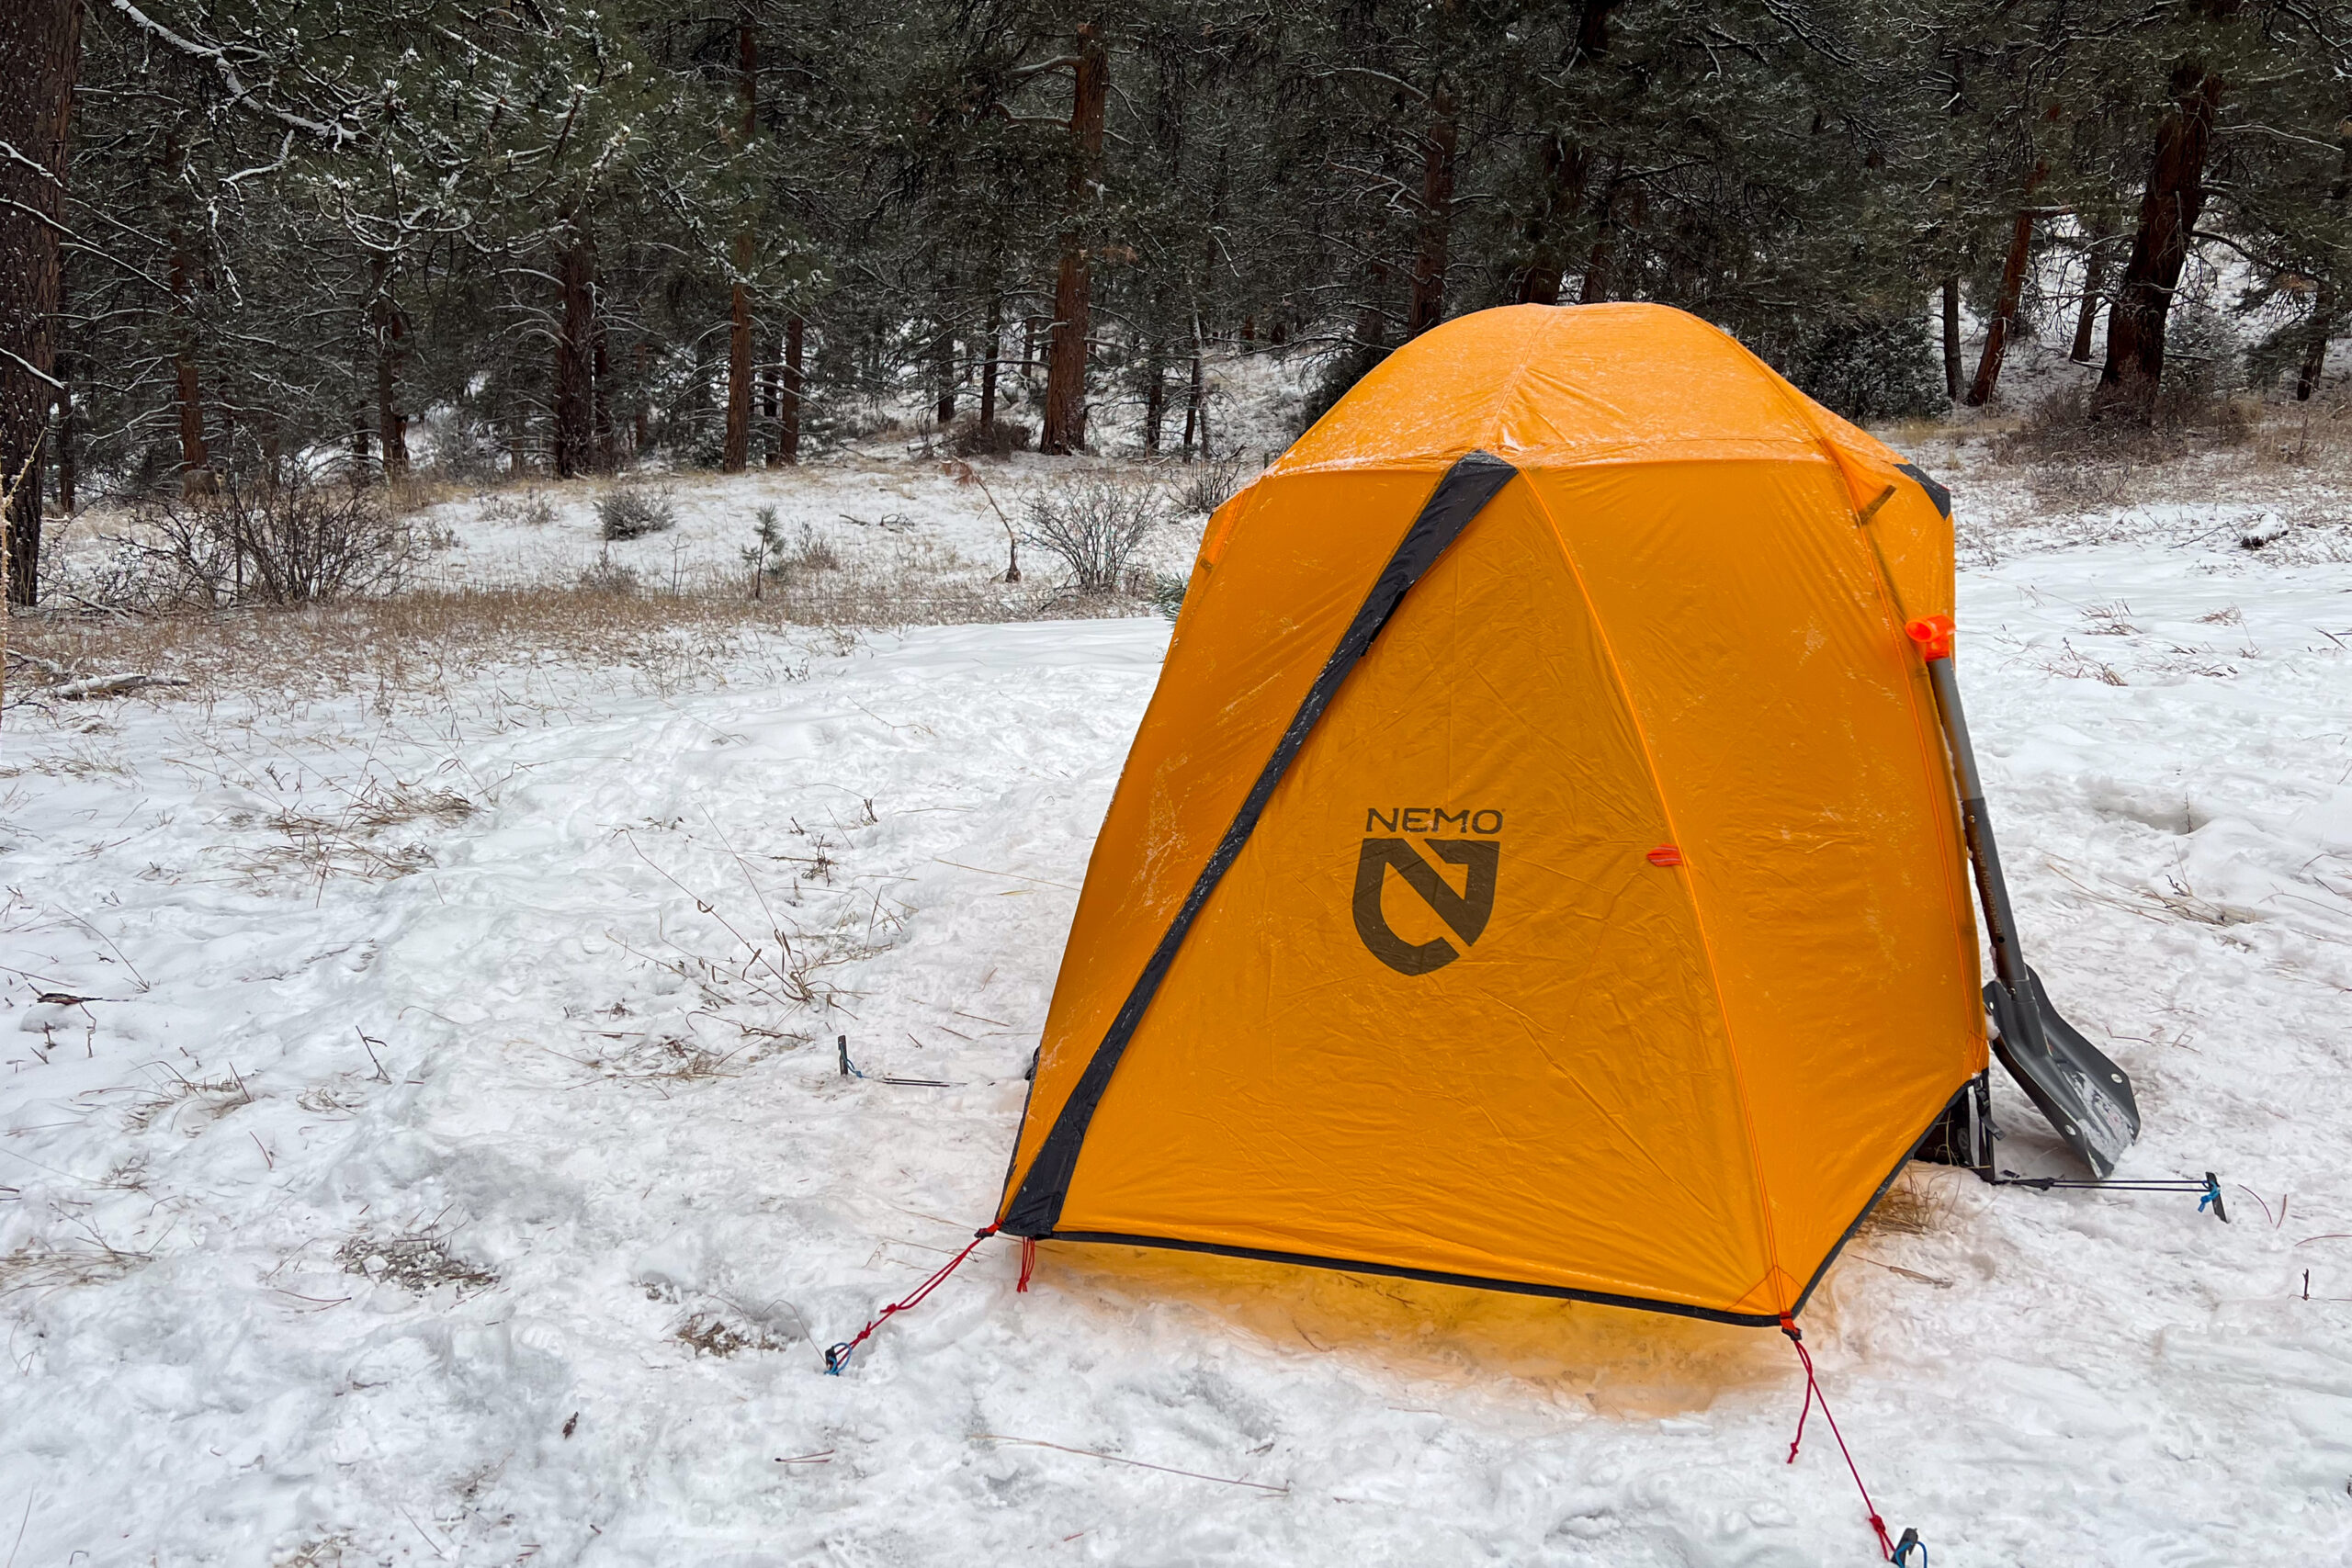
x,y
1691,892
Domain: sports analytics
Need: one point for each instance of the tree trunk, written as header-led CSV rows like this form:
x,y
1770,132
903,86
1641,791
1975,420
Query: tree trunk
x,y
2168,213
2323,322
2323,326
771,366
41,42
1196,404
1438,149
1372,318
1065,424
1155,401
574,349
787,438
1996,333
68,436
1951,338
196,458
1564,167
737,454
389,331
608,455
988,367
2087,321
1621,209
943,371
641,411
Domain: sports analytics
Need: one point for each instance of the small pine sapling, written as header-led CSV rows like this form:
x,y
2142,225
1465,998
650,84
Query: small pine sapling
x,y
765,554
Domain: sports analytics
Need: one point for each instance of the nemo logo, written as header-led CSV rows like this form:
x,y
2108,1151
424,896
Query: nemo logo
x,y
1465,913
1430,820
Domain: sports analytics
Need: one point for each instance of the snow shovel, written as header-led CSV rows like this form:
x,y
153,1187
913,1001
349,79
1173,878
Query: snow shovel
x,y
2085,1096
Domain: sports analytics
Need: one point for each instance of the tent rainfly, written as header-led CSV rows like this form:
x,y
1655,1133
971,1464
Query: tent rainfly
x,y
1541,865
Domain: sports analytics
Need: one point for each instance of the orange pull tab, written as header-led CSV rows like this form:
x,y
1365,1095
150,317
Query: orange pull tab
x,y
1664,854
1933,634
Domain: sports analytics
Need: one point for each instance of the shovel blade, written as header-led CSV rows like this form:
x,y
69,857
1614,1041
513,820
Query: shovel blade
x,y
2086,1096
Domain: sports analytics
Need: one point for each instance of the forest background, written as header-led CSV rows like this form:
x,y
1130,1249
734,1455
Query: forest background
x,y
243,240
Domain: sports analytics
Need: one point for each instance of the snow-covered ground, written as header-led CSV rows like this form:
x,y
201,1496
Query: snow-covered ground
x,y
451,1163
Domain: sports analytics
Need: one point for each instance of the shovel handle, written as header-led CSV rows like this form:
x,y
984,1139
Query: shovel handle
x,y
1934,636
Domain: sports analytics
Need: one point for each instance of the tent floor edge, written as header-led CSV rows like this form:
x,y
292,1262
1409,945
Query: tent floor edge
x,y
1529,1287
1427,1276
1829,1261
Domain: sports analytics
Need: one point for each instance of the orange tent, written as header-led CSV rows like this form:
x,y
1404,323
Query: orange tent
x,y
1538,867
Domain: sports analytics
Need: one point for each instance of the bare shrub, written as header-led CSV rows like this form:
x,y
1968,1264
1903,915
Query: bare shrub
x,y
289,544
971,438
815,552
1209,484
2080,454
2185,415
531,509
630,512
608,576
1092,526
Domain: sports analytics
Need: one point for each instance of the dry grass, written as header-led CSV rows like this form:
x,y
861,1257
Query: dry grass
x,y
347,840
2214,450
420,488
176,1101
2073,664
424,641
417,641
2177,900
1916,1204
712,1334
44,1267
659,1061
2110,620
531,507
420,1261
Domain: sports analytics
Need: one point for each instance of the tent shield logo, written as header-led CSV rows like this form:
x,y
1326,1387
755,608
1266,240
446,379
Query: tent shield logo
x,y
1464,913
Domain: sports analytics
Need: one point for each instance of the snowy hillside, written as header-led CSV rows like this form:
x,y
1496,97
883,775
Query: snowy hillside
x,y
448,1157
